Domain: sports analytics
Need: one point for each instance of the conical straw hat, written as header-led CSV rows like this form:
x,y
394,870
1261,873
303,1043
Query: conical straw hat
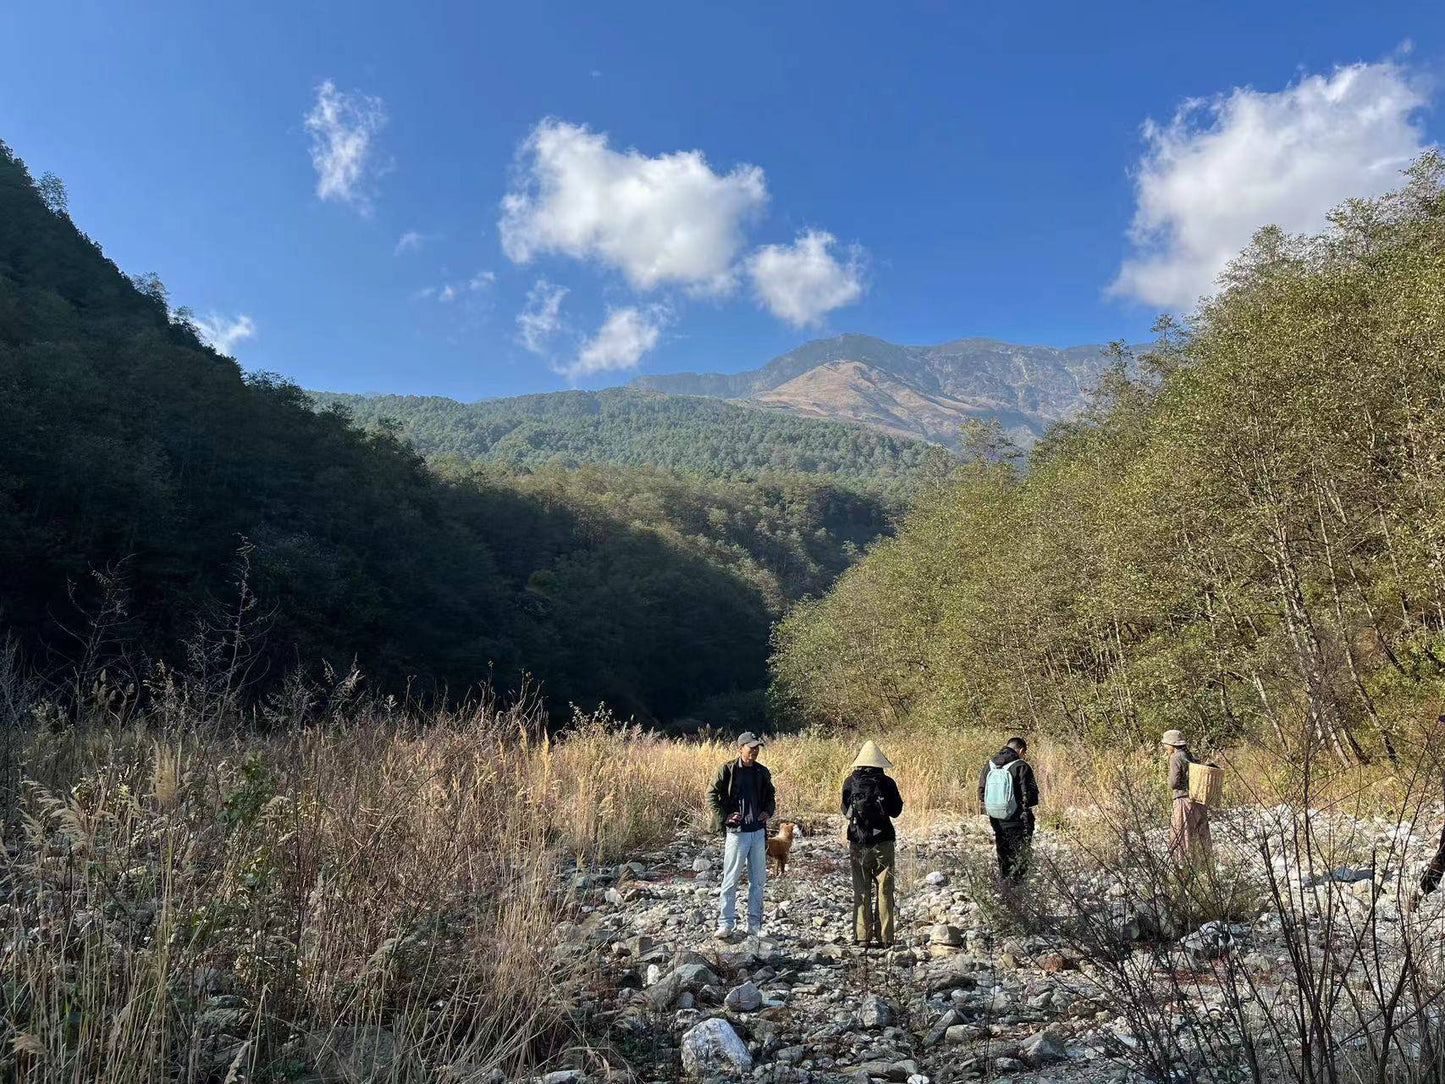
x,y
870,756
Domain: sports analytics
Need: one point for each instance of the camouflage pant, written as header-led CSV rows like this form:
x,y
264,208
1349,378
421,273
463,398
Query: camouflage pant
x,y
872,886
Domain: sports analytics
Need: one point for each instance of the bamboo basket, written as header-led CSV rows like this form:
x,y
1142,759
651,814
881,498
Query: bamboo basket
x,y
1206,784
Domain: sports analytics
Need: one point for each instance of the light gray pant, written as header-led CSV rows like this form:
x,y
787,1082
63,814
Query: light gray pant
x,y
750,849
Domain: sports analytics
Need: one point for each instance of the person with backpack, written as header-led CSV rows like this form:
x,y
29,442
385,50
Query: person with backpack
x,y
742,799
1007,794
1190,839
870,802
1435,870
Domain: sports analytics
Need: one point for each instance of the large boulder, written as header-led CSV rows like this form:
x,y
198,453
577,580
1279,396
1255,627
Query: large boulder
x,y
712,1048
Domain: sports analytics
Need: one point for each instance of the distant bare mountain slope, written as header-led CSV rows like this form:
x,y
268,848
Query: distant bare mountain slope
x,y
855,391
915,391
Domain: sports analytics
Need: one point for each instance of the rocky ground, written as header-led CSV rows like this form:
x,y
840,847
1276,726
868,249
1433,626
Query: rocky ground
x,y
955,1001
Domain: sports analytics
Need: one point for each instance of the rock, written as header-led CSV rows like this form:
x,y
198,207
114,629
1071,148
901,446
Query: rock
x,y
1007,1065
685,978
945,936
565,1076
222,1020
1212,940
937,879
713,1048
1044,1047
744,998
958,1033
885,1070
614,897
1052,961
355,1055
874,1012
654,973
701,864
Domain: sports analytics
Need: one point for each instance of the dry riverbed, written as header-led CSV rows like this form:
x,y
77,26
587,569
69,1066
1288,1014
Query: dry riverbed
x,y
955,1001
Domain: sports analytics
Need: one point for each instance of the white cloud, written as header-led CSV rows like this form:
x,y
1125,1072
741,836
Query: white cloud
x,y
620,342
541,316
450,291
474,285
410,241
343,128
1227,165
222,333
664,220
802,282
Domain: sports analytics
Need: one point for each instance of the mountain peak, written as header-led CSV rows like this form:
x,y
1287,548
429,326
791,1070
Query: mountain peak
x,y
925,391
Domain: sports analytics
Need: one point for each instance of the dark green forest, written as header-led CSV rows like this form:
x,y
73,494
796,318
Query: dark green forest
x,y
157,503
1245,537
632,427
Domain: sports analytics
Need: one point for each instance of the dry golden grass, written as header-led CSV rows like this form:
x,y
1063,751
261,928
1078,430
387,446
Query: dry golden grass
x,y
388,879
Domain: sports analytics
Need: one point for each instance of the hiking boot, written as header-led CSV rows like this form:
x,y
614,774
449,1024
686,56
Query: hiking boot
x,y
724,933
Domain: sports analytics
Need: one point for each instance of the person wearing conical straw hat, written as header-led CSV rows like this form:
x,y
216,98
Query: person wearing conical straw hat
x,y
870,802
1189,834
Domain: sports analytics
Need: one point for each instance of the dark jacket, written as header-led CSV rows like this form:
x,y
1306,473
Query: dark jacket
x,y
1026,790
1179,762
723,796
869,834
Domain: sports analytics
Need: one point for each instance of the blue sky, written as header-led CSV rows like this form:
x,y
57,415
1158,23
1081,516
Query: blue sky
x,y
588,191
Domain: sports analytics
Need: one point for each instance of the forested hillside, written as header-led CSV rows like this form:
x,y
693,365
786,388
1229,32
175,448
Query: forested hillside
x,y
631,427
143,477
1247,539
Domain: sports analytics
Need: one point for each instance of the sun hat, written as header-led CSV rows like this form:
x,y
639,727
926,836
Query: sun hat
x,y
1173,737
747,740
870,756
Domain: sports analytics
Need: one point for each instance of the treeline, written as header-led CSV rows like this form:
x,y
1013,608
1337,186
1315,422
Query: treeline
x,y
1247,539
156,502
632,427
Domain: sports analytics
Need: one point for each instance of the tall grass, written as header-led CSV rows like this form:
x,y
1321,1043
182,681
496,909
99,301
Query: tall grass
x,y
362,888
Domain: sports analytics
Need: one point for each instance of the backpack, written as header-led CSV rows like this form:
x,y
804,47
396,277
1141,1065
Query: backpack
x,y
999,800
865,811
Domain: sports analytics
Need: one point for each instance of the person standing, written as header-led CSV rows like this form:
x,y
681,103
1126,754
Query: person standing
x,y
742,800
1007,795
1430,878
870,802
1189,835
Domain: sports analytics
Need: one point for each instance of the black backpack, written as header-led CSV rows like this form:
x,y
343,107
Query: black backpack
x,y
865,811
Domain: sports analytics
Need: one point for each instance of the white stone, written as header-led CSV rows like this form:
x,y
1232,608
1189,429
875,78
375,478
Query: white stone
x,y
713,1048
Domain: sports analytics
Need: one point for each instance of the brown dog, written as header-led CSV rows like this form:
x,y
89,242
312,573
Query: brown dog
x,y
780,844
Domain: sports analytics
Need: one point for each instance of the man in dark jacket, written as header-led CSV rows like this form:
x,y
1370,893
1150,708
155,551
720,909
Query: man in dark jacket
x,y
1430,879
1012,819
742,800
870,802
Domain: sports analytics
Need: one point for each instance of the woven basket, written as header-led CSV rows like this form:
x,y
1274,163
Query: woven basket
x,y
1206,784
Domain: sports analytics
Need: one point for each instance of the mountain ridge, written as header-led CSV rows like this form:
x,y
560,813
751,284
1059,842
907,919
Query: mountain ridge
x,y
1024,388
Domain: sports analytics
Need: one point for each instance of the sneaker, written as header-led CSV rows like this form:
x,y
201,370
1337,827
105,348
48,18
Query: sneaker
x,y
755,931
724,933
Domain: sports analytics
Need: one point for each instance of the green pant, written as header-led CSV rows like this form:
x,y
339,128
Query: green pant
x,y
872,870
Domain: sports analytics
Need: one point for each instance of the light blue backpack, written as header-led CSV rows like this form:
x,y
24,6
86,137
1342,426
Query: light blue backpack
x,y
998,791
